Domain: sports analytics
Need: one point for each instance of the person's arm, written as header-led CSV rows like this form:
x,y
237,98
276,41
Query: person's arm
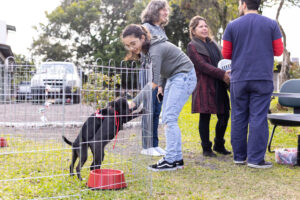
x,y
227,42
145,93
277,47
156,68
156,60
277,40
162,82
202,65
227,49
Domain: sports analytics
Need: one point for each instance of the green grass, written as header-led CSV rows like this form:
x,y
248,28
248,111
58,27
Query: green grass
x,y
202,178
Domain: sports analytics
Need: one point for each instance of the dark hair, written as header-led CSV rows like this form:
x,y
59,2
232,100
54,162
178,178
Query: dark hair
x,y
151,13
252,4
137,31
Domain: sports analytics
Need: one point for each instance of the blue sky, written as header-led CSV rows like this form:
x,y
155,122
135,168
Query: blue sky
x,y
26,13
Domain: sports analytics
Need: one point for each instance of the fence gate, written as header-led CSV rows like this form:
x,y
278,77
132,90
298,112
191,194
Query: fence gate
x,y
34,160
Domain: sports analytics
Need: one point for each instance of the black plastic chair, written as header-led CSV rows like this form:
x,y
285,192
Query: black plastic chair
x,y
289,96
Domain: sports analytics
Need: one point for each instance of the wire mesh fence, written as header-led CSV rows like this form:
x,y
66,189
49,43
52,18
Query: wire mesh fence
x,y
39,106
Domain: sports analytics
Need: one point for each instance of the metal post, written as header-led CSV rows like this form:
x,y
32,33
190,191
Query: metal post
x,y
7,79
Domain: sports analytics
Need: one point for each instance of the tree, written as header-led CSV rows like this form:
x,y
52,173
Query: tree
x,y
218,13
23,69
134,15
90,29
87,29
286,61
43,49
178,28
21,59
68,28
113,19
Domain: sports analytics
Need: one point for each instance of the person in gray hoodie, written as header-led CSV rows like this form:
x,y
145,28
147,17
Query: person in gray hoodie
x,y
154,17
174,75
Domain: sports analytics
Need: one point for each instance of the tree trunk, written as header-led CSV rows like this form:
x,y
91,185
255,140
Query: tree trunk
x,y
285,66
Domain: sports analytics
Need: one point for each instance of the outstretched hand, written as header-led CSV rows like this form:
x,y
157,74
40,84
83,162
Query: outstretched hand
x,y
131,105
160,90
226,78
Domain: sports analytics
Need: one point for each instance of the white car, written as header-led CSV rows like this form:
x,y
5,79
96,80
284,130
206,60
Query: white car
x,y
57,81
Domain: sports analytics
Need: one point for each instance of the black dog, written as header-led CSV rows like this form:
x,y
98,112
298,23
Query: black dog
x,y
97,131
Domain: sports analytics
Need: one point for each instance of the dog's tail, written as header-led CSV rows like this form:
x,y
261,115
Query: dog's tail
x,y
67,141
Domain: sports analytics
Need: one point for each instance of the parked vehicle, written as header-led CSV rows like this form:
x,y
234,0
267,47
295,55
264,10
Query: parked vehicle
x,y
59,81
24,91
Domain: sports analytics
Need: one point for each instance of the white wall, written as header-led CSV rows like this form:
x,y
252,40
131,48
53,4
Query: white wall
x,y
3,32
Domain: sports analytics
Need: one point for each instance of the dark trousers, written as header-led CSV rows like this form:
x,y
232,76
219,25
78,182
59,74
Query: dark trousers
x,y
150,134
220,130
156,106
250,101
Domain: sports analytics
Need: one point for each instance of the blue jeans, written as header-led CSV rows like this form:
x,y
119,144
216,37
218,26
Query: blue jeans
x,y
177,91
150,134
250,101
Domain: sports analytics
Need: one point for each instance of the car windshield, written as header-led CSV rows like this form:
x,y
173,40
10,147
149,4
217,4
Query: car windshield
x,y
57,68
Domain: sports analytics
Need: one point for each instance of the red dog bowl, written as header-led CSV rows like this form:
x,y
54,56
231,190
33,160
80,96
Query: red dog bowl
x,y
106,179
3,142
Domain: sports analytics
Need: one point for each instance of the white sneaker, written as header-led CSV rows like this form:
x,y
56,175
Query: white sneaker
x,y
160,150
150,152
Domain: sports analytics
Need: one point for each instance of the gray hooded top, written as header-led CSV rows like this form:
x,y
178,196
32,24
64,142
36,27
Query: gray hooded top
x,y
166,60
155,30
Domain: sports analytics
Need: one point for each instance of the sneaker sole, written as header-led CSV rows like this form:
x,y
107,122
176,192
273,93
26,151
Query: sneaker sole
x,y
259,166
180,167
162,170
239,162
148,154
